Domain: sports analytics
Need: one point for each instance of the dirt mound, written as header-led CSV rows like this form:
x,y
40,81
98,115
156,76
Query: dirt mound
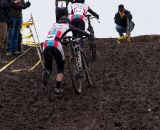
x,y
125,96
146,38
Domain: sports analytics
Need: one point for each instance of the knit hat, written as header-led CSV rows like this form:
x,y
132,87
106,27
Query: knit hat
x,y
121,7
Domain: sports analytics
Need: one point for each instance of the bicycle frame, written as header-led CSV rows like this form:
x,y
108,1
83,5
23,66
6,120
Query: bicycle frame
x,y
78,65
92,42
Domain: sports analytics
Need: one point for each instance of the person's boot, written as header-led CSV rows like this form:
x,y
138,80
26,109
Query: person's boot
x,y
3,60
45,77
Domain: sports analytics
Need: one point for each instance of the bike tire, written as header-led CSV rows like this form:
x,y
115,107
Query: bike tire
x,y
75,78
93,44
86,69
93,50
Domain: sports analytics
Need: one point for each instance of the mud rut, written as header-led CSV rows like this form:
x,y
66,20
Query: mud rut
x,y
125,96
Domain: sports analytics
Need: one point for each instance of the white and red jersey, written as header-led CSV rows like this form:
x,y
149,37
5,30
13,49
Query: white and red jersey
x,y
79,10
54,35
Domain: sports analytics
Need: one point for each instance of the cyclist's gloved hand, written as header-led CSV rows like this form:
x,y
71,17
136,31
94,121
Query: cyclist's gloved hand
x,y
28,4
64,42
97,16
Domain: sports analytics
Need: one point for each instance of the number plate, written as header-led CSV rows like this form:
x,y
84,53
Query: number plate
x,y
62,4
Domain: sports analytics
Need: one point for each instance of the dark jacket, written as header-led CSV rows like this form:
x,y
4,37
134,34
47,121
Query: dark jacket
x,y
16,9
123,21
67,2
4,10
61,11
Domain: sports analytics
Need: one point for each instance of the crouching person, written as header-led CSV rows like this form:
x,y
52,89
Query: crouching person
x,y
122,25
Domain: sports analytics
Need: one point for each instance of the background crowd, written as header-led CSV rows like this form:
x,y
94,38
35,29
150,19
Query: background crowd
x,y
10,25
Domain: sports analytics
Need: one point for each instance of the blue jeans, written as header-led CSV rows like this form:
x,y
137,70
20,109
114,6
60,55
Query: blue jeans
x,y
122,30
14,34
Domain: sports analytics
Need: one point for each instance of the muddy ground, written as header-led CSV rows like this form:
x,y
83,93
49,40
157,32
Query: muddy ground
x,y
125,96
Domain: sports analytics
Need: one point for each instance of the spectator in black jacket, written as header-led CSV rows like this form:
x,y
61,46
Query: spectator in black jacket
x,y
121,20
16,17
61,8
4,23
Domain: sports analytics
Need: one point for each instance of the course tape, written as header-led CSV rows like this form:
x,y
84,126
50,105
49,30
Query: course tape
x,y
11,62
32,68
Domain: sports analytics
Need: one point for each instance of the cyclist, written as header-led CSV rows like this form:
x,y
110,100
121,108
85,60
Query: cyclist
x,y
61,8
79,11
53,48
121,20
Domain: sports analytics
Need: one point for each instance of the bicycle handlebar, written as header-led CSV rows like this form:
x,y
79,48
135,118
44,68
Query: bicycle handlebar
x,y
89,17
68,39
78,39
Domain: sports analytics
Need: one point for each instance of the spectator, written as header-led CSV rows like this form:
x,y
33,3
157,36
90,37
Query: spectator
x,y
121,20
16,17
4,23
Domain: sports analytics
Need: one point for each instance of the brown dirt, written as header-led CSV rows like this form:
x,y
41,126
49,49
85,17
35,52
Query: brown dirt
x,y
126,94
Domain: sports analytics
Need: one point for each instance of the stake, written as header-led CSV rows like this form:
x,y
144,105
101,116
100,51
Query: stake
x,y
38,52
36,32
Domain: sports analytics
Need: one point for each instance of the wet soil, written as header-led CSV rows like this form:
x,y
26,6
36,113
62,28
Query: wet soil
x,y
125,94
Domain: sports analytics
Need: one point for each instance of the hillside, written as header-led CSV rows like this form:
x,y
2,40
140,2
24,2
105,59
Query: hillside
x,y
125,96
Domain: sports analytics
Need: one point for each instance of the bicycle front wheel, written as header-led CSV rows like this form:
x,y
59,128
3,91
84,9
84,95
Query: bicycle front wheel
x,y
93,50
76,75
86,70
93,44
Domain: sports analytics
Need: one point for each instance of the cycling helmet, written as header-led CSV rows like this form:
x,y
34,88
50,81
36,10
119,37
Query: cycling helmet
x,y
78,1
64,19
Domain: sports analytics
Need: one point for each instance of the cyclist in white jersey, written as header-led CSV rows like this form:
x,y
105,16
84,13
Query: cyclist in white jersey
x,y
53,48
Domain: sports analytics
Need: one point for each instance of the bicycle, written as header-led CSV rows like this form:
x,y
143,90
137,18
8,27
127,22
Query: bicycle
x,y
77,63
92,42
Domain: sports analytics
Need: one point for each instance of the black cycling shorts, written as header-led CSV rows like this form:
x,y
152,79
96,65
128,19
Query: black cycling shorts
x,y
49,53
